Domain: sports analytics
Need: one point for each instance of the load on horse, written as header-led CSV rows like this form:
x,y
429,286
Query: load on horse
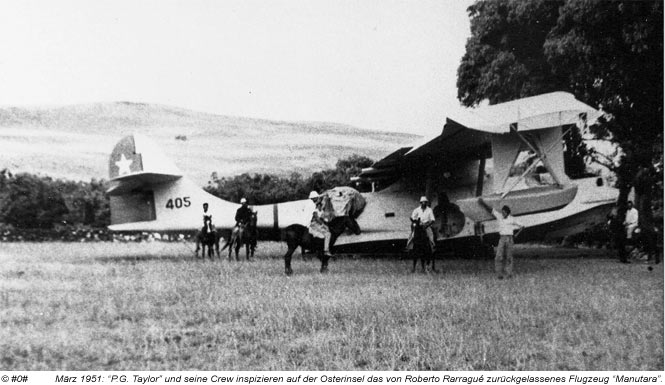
x,y
334,211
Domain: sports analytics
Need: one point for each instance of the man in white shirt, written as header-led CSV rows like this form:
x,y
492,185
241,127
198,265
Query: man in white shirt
x,y
503,262
207,217
632,219
425,214
207,226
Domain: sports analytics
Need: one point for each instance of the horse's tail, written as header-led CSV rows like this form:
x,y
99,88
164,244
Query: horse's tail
x,y
225,246
233,239
229,242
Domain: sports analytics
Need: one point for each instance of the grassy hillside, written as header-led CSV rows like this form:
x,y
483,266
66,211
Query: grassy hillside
x,y
74,142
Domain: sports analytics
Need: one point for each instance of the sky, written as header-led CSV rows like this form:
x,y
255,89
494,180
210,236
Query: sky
x,y
374,64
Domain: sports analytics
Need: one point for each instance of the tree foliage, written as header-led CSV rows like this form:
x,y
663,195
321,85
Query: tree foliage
x,y
266,188
31,202
609,54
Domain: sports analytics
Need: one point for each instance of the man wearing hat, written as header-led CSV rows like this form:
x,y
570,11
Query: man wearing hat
x,y
425,214
243,214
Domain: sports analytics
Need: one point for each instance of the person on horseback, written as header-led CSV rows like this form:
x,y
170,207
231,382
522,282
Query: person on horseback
x,y
207,216
318,225
207,226
426,216
243,214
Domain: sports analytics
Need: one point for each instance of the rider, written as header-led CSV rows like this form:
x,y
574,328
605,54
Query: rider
x,y
243,214
318,226
426,216
207,226
207,216
243,217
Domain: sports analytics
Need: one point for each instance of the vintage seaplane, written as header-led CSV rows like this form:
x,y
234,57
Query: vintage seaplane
x,y
508,154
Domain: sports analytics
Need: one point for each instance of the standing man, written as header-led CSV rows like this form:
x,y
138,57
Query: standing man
x,y
503,262
425,214
632,220
317,225
618,234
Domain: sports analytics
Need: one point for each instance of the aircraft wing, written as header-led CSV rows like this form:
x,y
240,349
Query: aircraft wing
x,y
469,134
455,142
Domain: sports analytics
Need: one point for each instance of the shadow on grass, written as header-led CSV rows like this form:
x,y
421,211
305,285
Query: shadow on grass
x,y
140,258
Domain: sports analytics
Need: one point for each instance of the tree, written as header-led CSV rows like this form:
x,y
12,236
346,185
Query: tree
x,y
32,201
28,201
266,188
609,54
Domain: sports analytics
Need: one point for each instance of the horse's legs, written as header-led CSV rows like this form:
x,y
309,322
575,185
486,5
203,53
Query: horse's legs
x,y
198,246
324,262
287,260
231,245
431,256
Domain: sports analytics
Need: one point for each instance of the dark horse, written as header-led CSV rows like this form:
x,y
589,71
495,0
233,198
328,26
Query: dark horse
x,y
208,237
645,242
299,236
421,248
246,235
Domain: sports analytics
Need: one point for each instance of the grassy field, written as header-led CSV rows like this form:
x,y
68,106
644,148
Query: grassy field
x,y
151,306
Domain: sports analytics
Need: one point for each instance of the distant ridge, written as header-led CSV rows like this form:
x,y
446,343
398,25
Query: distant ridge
x,y
74,142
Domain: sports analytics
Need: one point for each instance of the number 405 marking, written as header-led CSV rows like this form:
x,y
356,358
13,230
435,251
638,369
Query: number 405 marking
x,y
178,203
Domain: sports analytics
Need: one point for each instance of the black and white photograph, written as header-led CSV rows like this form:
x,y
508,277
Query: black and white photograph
x,y
333,188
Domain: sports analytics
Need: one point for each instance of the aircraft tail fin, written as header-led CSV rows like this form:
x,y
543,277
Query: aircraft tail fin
x,y
135,162
135,167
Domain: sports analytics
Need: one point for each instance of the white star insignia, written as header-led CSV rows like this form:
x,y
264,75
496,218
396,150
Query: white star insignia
x,y
123,165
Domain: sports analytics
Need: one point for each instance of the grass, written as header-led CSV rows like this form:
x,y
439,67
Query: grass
x,y
151,306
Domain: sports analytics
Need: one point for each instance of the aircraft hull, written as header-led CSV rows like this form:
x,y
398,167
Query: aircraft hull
x,y
529,201
589,207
